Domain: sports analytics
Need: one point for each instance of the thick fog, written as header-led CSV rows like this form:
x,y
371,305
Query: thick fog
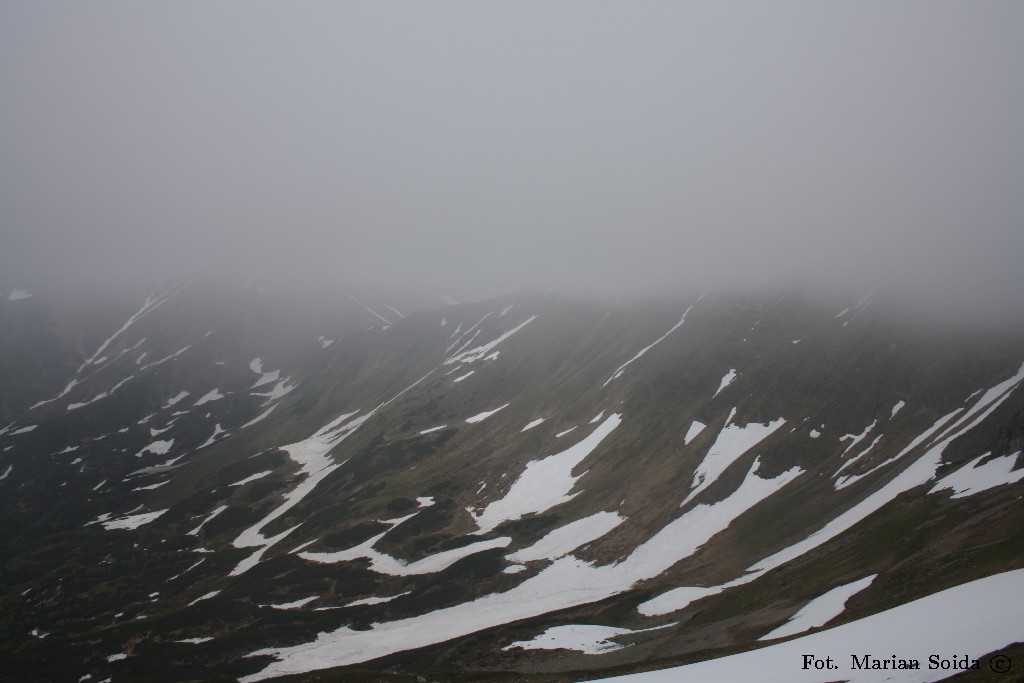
x,y
484,146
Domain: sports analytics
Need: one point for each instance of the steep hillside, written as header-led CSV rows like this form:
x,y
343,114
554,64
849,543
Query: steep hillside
x,y
226,483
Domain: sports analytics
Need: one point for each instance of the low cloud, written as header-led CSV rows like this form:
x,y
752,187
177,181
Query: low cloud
x,y
482,148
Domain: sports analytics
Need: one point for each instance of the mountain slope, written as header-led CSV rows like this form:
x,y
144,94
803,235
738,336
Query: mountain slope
x,y
212,489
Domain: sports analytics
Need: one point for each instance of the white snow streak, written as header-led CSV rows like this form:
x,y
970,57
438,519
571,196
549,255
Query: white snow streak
x,y
479,352
258,417
565,539
195,532
433,429
204,597
152,486
375,601
375,313
480,417
175,399
151,302
252,477
619,370
295,604
820,610
214,395
394,310
532,424
217,431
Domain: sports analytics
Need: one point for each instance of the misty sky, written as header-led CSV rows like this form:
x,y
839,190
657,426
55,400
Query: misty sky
x,y
481,146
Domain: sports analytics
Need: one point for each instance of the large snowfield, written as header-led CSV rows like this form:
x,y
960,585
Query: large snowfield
x,y
967,621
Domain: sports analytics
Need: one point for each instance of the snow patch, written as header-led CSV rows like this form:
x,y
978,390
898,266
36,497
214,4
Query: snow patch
x,y
565,539
176,398
544,483
732,442
251,477
726,381
532,424
151,486
267,378
157,448
433,429
973,478
695,429
480,417
375,600
386,564
204,597
585,638
821,610
217,431
214,395
676,599
279,390
295,604
195,532
130,521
